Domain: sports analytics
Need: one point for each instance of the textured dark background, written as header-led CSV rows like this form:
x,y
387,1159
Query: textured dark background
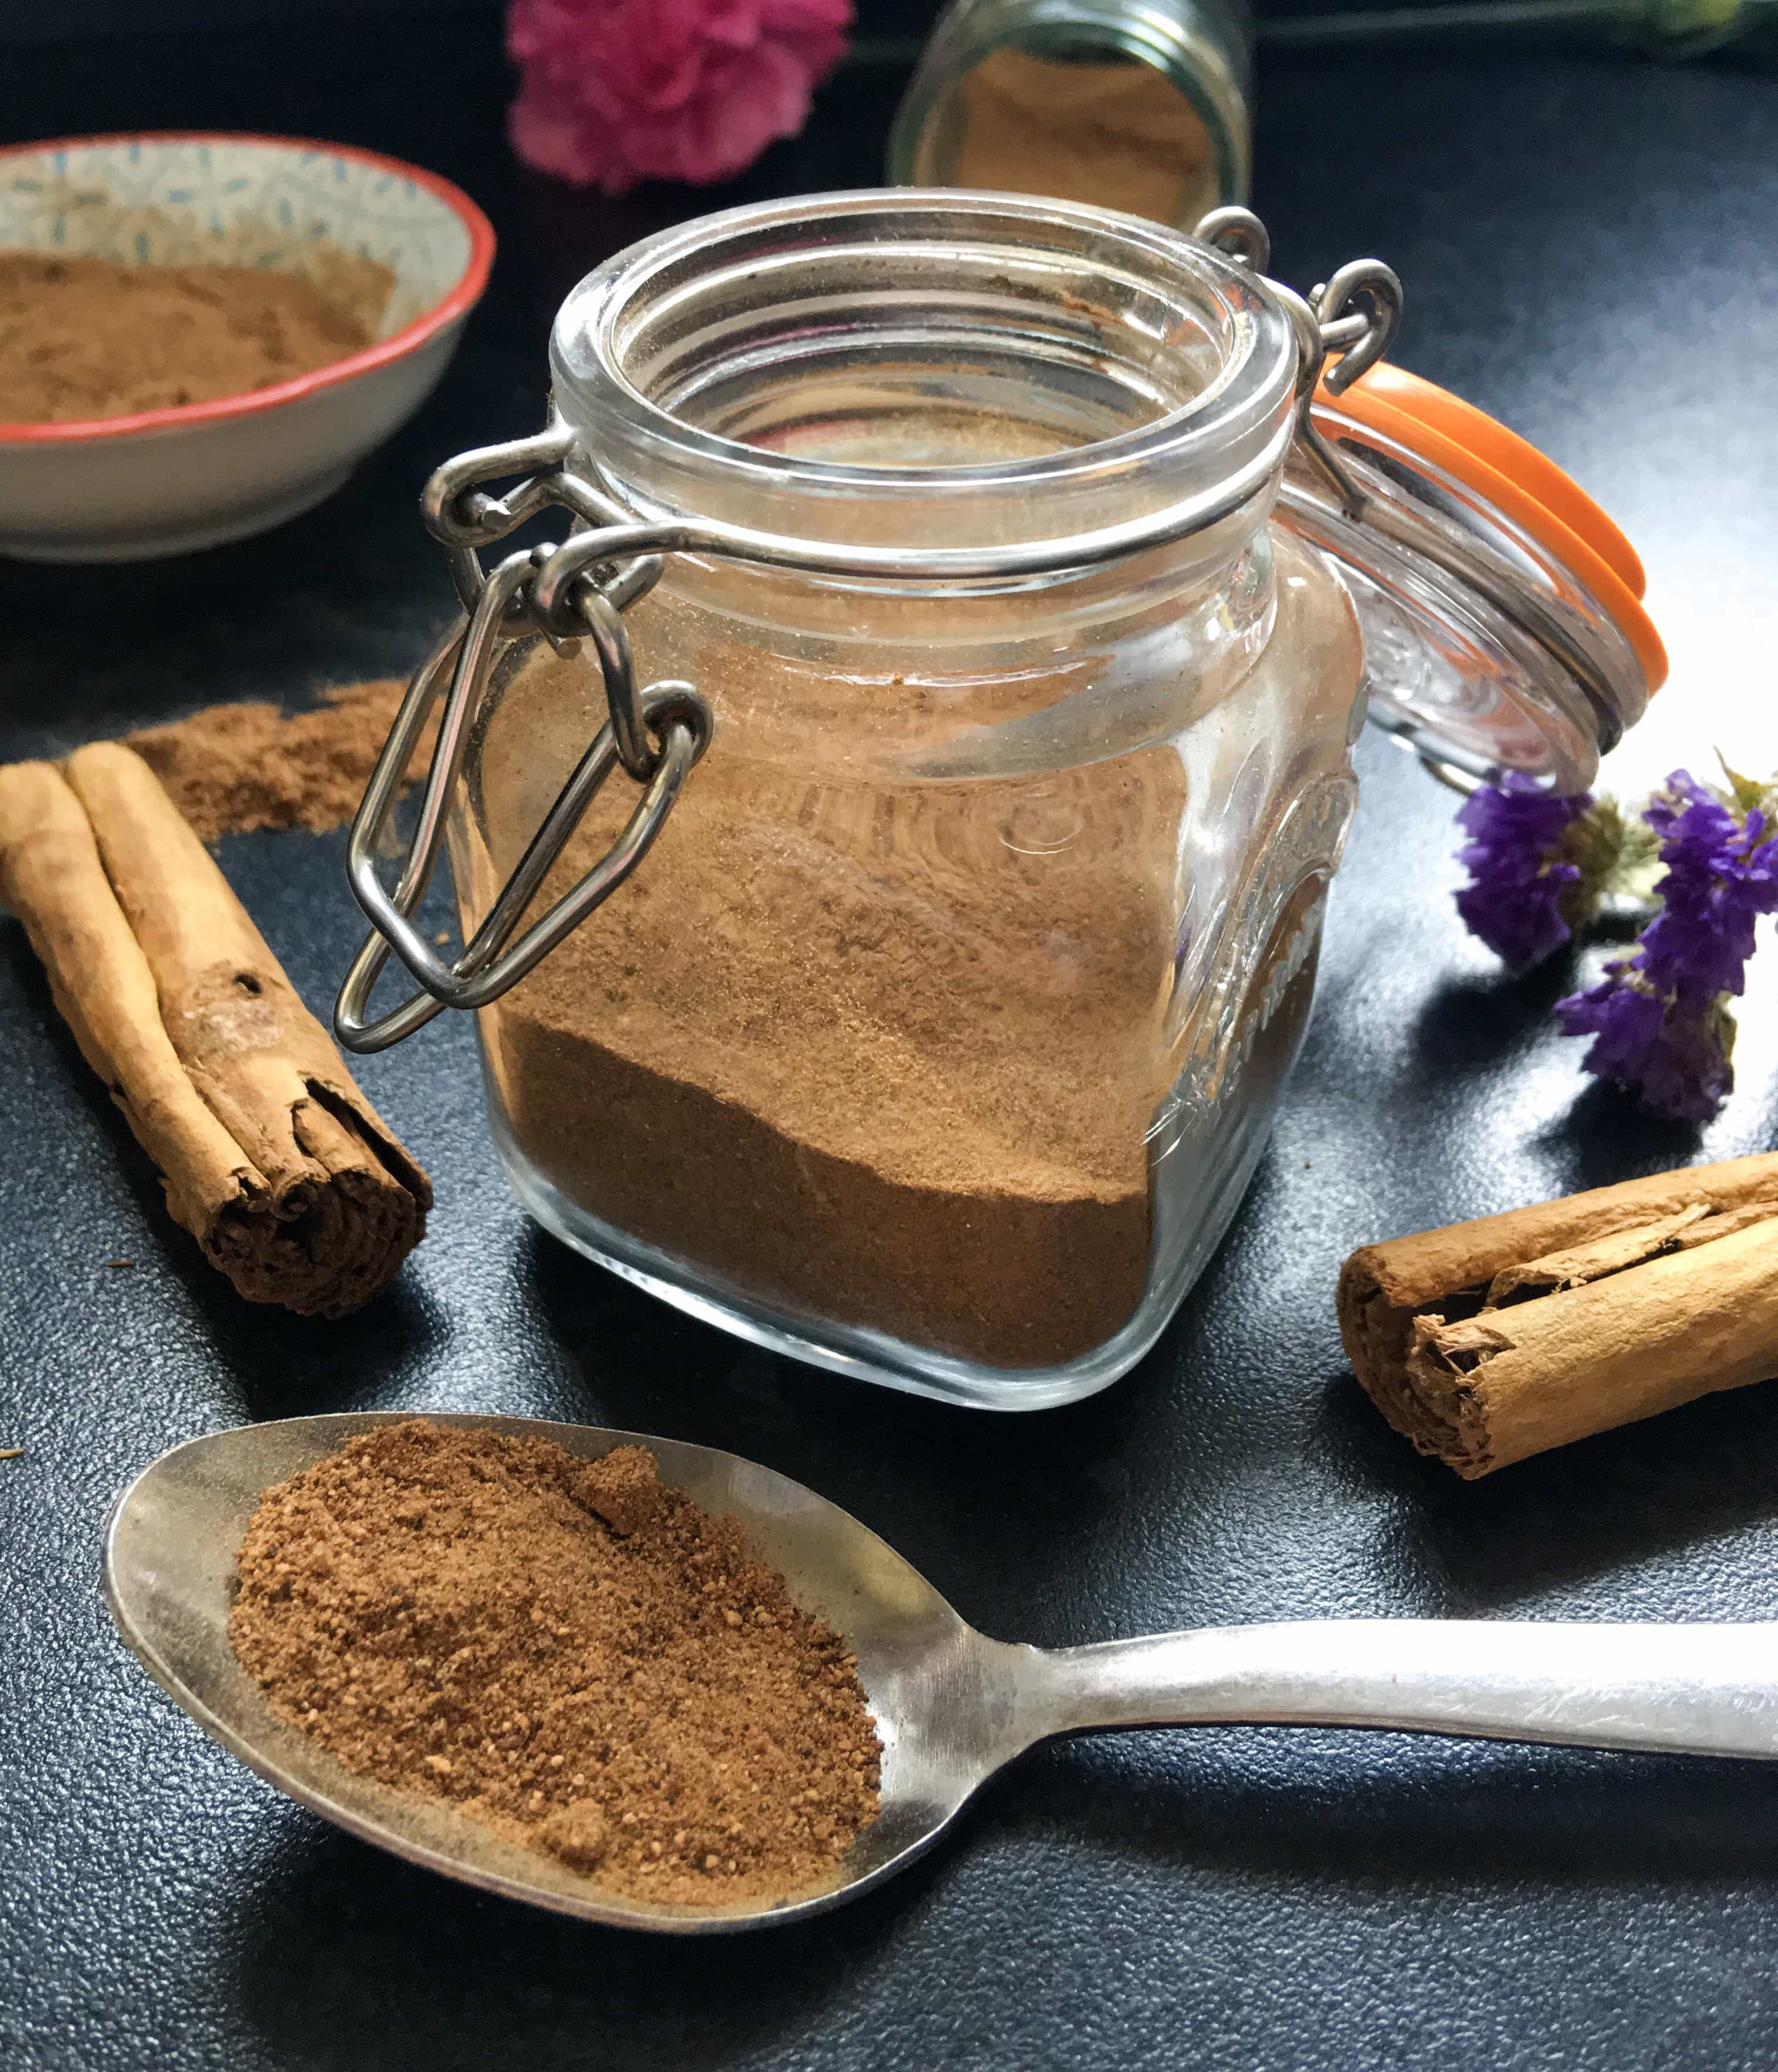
x,y
1588,247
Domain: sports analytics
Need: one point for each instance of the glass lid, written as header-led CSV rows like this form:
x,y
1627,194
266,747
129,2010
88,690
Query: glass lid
x,y
1500,607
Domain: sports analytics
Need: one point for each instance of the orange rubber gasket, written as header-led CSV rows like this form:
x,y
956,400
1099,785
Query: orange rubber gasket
x,y
1363,405
1509,455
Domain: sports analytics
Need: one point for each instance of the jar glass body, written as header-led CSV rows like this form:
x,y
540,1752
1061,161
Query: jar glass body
x,y
937,1037
1125,104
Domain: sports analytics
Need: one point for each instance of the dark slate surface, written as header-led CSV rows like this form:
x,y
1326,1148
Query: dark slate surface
x,y
1588,250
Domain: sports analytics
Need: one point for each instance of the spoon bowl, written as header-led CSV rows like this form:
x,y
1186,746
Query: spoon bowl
x,y
935,1685
952,1705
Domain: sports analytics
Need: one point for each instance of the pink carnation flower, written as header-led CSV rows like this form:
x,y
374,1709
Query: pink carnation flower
x,y
617,91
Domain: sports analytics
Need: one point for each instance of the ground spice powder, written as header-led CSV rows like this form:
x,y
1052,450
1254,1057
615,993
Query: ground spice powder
x,y
847,1048
235,769
91,338
567,1651
1119,135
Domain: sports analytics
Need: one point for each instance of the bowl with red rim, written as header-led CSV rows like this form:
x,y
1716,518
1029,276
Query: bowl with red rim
x,y
407,250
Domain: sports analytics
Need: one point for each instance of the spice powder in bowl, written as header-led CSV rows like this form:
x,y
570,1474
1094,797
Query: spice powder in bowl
x,y
85,338
567,1651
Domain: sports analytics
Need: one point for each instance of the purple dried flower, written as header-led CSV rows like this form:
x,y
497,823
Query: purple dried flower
x,y
1518,870
1677,1062
1659,1019
1721,877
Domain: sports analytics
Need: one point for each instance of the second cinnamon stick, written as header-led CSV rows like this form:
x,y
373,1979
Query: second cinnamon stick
x,y
1487,1342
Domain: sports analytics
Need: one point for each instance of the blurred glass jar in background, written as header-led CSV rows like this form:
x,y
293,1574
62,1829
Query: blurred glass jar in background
x,y
1145,105
1141,105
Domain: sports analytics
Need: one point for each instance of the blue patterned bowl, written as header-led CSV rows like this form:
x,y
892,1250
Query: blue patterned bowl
x,y
165,482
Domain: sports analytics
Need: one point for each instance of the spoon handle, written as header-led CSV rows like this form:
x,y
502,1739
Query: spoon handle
x,y
1701,1690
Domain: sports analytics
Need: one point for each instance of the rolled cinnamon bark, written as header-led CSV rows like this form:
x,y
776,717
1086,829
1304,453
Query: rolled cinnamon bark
x,y
1486,1342
287,1177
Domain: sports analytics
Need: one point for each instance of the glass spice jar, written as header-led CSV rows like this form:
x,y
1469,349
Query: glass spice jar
x,y
1015,592
1142,105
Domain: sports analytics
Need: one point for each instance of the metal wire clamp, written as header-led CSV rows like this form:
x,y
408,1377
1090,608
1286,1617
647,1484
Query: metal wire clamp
x,y
657,734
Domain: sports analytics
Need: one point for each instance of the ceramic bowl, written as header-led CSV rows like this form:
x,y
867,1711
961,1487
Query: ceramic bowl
x,y
165,482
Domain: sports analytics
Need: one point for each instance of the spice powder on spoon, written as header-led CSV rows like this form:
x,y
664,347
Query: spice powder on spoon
x,y
567,1651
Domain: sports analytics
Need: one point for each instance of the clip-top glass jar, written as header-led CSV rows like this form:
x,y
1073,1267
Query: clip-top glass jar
x,y
937,1034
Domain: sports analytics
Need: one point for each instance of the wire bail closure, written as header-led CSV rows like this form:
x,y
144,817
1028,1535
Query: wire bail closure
x,y
657,734
577,591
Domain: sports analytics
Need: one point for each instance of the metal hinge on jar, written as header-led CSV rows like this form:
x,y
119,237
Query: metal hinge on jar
x,y
1356,314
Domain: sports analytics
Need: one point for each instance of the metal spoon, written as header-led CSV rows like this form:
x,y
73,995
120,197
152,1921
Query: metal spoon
x,y
952,1705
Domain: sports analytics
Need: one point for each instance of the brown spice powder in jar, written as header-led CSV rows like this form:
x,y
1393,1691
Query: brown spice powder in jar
x,y
884,1055
1118,135
92,338
568,1651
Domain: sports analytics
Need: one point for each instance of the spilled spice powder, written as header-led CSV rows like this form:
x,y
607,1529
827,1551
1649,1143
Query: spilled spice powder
x,y
84,337
567,1651
235,769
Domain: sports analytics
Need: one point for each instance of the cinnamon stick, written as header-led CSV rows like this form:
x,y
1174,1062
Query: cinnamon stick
x,y
269,1155
1486,1342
